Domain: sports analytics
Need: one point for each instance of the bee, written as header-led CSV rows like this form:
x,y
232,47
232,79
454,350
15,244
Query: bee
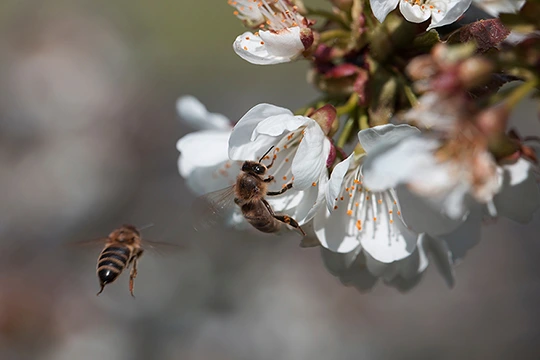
x,y
249,191
123,248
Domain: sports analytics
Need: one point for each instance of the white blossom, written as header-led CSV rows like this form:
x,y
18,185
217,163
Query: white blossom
x,y
203,160
441,12
285,36
358,217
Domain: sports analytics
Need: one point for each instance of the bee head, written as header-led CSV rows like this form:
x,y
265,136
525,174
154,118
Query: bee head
x,y
127,234
254,168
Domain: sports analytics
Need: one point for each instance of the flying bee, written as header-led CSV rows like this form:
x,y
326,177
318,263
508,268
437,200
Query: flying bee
x,y
249,192
123,248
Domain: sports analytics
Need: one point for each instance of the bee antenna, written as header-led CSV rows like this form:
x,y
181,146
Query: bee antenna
x,y
266,153
146,226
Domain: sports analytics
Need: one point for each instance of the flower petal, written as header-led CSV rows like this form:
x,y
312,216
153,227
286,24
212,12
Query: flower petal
x,y
192,111
413,12
332,230
381,8
494,7
519,197
269,47
310,159
466,236
202,149
241,146
453,9
387,241
336,180
442,257
350,268
387,134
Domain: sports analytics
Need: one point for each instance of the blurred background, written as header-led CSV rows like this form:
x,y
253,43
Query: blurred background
x,y
87,142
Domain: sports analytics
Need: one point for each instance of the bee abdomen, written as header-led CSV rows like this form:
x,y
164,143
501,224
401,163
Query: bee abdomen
x,y
111,263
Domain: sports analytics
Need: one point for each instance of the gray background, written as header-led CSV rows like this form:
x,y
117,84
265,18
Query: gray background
x,y
87,142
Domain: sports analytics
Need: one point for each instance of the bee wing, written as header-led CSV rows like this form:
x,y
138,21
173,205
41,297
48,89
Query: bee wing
x,y
91,242
213,208
161,248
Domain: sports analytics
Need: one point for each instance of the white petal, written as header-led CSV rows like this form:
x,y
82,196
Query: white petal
x,y
241,146
381,8
277,125
421,216
387,242
450,11
389,133
336,181
494,7
203,180
466,236
332,230
388,165
520,196
414,13
349,268
195,114
202,149
440,254
310,159
269,47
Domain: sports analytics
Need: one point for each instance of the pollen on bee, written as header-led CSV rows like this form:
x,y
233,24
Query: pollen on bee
x,y
349,212
313,184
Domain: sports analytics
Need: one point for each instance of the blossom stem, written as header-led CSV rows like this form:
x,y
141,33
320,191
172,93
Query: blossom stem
x,y
334,34
348,106
363,122
520,92
328,15
344,136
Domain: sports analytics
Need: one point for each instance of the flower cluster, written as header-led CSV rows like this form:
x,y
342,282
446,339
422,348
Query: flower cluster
x,y
409,148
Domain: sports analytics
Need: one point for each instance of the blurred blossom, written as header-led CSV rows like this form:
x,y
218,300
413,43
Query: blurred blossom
x,y
441,12
284,34
495,7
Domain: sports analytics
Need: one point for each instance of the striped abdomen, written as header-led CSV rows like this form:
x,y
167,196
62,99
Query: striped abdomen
x,y
112,260
259,217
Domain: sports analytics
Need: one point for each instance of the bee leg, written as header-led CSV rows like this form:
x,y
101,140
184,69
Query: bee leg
x,y
283,218
269,179
133,272
285,188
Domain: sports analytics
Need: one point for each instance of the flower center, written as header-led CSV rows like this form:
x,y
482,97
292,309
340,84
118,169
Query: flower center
x,y
369,209
247,10
424,5
272,15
